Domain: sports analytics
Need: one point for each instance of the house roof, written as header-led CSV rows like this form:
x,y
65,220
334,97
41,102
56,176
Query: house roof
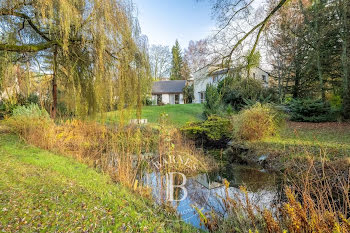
x,y
168,87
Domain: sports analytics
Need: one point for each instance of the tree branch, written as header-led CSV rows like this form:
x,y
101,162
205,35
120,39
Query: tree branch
x,y
233,15
265,21
28,48
111,54
6,12
261,27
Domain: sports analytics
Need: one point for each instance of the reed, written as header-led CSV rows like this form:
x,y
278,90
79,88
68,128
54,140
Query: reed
x,y
118,150
316,202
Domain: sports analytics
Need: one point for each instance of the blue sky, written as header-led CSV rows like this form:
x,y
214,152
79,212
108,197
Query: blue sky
x,y
164,21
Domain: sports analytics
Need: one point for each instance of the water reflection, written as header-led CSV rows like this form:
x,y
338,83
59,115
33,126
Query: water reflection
x,y
205,191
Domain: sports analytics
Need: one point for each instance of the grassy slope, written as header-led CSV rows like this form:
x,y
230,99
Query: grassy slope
x,y
330,140
178,115
41,191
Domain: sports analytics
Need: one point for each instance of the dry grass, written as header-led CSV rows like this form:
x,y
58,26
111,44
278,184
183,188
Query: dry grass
x,y
41,191
175,153
257,122
117,151
316,201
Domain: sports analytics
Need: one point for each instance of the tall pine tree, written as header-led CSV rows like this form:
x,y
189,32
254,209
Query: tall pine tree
x,y
176,63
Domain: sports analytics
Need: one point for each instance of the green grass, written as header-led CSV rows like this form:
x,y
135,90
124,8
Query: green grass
x,y
178,115
42,191
328,140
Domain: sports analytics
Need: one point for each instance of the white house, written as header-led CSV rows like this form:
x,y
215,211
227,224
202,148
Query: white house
x,y
168,92
205,76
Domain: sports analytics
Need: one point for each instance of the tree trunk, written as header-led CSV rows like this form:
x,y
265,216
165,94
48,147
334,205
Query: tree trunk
x,y
296,80
54,85
320,76
279,69
139,99
318,61
345,60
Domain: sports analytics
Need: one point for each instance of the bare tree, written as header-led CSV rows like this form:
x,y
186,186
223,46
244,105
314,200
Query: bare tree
x,y
160,60
196,54
229,12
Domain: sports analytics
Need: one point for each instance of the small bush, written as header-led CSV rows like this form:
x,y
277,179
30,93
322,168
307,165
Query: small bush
x,y
311,111
30,111
240,92
147,101
33,99
212,105
188,94
336,101
32,123
257,122
6,108
214,131
2,110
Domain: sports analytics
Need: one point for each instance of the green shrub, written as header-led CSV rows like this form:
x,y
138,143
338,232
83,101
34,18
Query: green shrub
x,y
212,105
31,123
214,130
257,122
2,110
308,110
6,108
147,101
241,92
188,94
346,107
336,101
30,111
33,99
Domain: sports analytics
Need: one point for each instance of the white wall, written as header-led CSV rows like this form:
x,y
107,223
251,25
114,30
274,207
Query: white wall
x,y
201,79
200,82
259,75
168,99
165,98
182,99
154,99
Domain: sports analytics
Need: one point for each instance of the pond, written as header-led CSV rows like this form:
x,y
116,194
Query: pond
x,y
206,191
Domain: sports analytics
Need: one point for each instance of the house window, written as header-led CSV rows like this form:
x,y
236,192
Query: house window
x,y
177,99
264,78
159,99
202,95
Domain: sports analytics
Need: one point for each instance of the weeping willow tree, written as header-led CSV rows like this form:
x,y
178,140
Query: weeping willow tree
x,y
92,49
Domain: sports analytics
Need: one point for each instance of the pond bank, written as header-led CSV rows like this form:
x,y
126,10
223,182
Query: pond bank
x,y
297,141
43,191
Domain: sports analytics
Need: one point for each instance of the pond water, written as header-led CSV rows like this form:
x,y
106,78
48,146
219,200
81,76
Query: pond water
x,y
205,191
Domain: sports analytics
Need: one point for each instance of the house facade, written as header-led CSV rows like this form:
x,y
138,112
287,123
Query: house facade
x,y
204,77
168,92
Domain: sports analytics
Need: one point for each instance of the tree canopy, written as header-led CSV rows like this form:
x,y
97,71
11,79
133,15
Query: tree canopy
x,y
92,49
177,62
307,40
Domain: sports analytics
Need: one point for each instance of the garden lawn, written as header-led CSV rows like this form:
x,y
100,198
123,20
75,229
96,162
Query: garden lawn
x,y
177,115
42,191
327,140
